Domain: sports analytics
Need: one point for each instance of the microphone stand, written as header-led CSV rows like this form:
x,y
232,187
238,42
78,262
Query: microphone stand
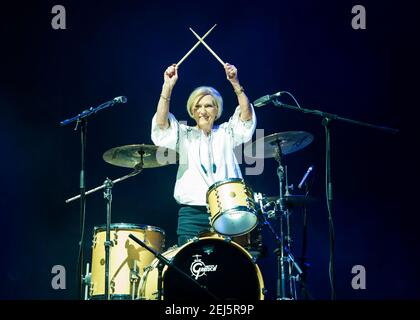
x,y
164,261
81,121
326,120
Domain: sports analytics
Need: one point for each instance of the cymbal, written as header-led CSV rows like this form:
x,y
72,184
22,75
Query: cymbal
x,y
293,199
138,156
289,141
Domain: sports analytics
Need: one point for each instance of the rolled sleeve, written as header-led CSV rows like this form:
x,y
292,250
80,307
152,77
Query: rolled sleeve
x,y
168,137
241,131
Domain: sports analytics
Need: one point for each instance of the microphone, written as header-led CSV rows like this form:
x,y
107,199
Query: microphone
x,y
264,100
121,99
305,177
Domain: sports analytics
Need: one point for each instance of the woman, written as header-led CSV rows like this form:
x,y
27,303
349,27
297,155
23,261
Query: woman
x,y
206,151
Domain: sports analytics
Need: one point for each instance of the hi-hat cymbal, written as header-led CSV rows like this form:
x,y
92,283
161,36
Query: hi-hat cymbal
x,y
289,141
138,156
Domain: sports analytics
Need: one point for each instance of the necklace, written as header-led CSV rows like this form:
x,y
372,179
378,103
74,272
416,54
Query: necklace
x,y
211,158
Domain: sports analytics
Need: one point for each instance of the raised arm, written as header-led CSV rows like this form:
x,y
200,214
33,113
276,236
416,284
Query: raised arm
x,y
232,76
170,77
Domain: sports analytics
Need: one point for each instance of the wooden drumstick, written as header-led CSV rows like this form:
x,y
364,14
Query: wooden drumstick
x,y
205,44
195,46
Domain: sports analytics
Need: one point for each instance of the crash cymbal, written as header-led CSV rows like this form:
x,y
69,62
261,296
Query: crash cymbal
x,y
293,199
289,141
140,156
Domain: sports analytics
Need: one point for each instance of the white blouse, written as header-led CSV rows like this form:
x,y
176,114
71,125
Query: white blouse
x,y
203,160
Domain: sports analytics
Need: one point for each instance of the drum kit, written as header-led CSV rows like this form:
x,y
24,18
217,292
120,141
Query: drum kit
x,y
130,261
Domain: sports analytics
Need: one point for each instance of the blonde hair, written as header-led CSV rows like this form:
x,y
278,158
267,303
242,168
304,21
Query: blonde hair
x,y
200,92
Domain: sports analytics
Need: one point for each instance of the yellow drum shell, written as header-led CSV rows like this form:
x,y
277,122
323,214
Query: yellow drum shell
x,y
231,207
127,259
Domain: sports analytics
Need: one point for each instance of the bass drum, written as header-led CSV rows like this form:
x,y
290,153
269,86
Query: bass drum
x,y
223,267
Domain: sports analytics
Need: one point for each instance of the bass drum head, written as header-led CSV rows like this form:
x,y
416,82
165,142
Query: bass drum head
x,y
223,267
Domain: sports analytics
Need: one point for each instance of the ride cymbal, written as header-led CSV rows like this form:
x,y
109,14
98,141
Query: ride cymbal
x,y
289,141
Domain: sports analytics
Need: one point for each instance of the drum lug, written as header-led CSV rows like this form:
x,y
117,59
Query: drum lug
x,y
92,289
264,291
94,242
219,204
134,279
227,239
134,274
147,269
115,241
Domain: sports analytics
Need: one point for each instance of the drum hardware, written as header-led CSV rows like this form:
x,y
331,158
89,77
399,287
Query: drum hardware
x,y
136,157
160,280
163,261
307,183
107,243
81,122
276,146
284,256
87,279
284,214
290,200
127,260
327,118
107,185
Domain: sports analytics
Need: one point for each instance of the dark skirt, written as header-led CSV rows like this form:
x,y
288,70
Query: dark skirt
x,y
192,220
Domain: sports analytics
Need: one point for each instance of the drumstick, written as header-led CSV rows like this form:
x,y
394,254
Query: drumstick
x,y
195,46
205,44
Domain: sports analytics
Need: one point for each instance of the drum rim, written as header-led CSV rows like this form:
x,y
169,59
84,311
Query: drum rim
x,y
221,182
128,226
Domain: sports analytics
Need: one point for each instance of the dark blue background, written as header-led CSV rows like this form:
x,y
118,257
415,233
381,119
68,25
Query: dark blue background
x,y
306,47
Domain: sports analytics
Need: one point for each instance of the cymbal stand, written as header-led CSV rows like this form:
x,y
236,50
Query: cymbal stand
x,y
107,186
326,119
287,256
285,239
108,196
305,265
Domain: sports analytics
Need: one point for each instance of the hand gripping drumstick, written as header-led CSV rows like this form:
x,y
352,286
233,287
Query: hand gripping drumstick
x,y
195,46
205,44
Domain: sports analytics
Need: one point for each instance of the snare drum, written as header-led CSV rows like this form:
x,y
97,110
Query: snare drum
x,y
127,259
231,206
223,267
